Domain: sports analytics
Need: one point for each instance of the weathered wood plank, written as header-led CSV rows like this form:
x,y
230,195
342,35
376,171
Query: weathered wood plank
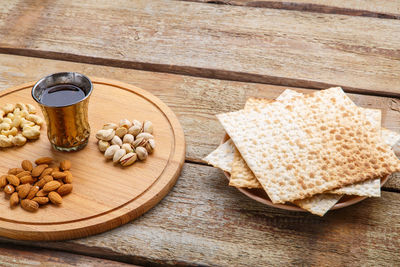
x,y
11,255
239,43
369,8
204,221
194,100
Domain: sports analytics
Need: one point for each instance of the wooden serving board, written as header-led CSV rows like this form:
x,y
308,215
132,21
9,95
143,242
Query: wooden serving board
x,y
104,195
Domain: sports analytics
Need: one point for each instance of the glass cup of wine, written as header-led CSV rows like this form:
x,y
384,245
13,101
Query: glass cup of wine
x,y
64,98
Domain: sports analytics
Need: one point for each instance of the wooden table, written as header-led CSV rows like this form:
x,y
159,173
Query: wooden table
x,y
203,59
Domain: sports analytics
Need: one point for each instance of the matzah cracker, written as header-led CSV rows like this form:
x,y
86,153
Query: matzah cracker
x,y
222,157
318,204
241,175
289,129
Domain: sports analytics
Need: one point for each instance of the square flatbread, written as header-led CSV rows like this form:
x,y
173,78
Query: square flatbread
x,y
300,143
222,157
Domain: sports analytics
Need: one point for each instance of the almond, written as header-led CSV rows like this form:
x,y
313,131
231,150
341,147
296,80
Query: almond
x,y
65,165
26,179
68,178
24,190
55,198
13,180
41,193
3,181
43,160
22,174
32,192
64,189
29,205
9,189
14,199
51,186
27,165
37,171
15,171
46,171
59,175
41,200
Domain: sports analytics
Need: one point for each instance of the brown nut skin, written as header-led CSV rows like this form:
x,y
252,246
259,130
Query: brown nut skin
x,y
55,198
41,200
68,178
23,190
46,171
14,199
65,165
37,171
29,205
64,189
22,174
27,165
59,175
32,192
9,189
3,181
13,180
41,193
51,186
43,160
15,171
26,179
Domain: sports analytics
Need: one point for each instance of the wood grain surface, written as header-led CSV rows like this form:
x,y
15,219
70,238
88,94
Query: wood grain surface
x,y
194,100
203,221
105,195
369,8
239,43
12,256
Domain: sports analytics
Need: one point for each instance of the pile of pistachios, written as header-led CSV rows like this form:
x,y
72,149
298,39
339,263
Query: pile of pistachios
x,y
126,142
18,123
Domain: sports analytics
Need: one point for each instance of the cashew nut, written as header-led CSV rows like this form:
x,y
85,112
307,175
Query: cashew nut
x,y
31,108
19,140
13,131
25,122
5,141
7,108
35,118
5,126
31,132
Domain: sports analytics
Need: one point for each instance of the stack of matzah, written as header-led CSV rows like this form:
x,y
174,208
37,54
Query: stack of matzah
x,y
309,150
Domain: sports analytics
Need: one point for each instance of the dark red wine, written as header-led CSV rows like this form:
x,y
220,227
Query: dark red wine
x,y
62,95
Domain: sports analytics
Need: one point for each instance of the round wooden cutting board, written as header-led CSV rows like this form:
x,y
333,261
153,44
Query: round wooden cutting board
x,y
104,195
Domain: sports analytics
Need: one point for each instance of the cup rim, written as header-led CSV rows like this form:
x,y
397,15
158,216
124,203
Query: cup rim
x,y
61,73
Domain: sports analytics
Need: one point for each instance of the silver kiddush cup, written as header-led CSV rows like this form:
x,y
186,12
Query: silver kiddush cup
x,y
67,122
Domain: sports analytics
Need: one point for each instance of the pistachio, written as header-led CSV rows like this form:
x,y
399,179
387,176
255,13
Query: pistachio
x,y
116,140
137,123
128,159
121,131
148,127
151,144
128,138
125,123
128,148
141,153
105,135
110,125
139,142
7,108
135,130
119,154
145,135
109,154
103,145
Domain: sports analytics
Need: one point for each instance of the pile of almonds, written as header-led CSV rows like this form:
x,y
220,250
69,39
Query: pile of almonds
x,y
127,141
18,123
33,186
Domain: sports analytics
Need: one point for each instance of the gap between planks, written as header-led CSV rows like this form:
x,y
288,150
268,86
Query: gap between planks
x,y
190,71
328,8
